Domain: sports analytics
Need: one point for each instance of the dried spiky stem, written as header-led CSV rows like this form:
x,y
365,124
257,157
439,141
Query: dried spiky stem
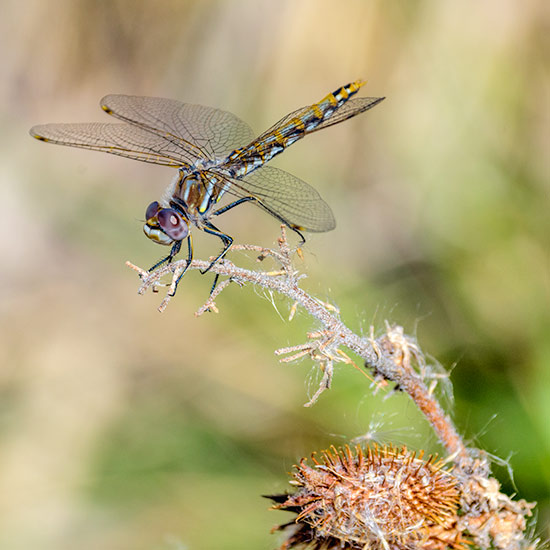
x,y
389,356
490,517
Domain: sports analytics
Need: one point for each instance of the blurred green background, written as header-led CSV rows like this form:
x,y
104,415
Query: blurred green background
x,y
121,428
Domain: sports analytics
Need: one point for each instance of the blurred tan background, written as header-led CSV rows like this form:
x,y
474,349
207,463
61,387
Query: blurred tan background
x,y
121,428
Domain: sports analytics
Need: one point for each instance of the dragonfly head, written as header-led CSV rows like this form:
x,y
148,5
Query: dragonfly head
x,y
165,225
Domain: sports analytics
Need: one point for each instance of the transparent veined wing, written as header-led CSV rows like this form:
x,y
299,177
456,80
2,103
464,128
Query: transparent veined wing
x,y
286,196
121,139
203,131
285,126
350,109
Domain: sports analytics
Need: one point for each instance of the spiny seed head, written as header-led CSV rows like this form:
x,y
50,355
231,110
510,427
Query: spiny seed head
x,y
380,498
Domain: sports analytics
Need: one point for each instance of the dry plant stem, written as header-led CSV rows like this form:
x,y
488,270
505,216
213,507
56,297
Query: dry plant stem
x,y
372,351
489,518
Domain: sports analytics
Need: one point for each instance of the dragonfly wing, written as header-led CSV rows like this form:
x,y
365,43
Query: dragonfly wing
x,y
287,197
118,139
351,108
284,125
207,132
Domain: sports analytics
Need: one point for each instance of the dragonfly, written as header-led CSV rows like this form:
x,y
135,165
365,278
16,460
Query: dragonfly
x,y
216,154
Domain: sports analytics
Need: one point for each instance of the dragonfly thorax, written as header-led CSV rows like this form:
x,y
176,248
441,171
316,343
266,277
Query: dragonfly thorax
x,y
197,192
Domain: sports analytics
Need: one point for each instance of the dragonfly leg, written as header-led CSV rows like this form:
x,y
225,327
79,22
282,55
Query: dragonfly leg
x,y
226,239
302,238
232,205
189,260
274,214
175,249
214,284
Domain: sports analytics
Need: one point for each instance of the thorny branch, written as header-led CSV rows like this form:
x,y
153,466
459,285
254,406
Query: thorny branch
x,y
389,356
392,357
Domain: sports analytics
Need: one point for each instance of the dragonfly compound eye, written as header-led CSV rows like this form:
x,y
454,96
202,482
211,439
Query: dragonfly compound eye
x,y
152,210
172,223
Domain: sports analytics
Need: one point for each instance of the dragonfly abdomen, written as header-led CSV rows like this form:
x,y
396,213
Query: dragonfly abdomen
x,y
341,95
276,141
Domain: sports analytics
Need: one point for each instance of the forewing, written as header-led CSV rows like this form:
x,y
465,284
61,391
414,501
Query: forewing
x,y
124,140
202,131
286,196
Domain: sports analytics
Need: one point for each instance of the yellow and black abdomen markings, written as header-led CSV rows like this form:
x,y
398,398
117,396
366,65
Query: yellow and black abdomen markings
x,y
263,150
325,108
341,95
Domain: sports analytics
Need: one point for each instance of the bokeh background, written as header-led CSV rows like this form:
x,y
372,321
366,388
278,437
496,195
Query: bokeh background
x,y
121,428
